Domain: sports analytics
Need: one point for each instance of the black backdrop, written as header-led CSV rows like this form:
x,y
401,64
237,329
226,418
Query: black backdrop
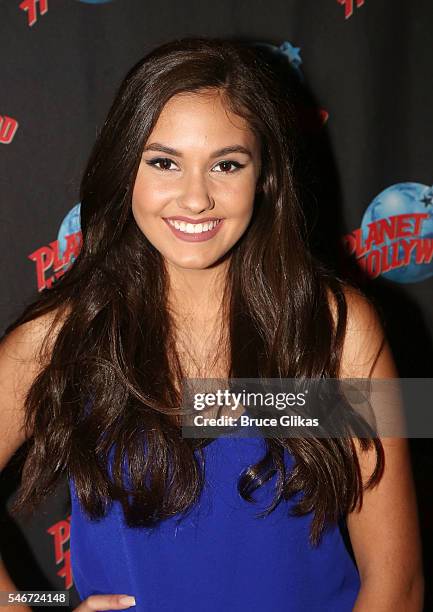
x,y
366,70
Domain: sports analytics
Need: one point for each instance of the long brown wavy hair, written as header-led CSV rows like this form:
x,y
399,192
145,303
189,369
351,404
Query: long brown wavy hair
x,y
114,330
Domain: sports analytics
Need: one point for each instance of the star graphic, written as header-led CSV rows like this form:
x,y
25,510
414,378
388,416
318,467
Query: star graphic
x,y
293,53
428,197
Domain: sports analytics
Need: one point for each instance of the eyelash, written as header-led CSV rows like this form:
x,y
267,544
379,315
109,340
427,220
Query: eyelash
x,y
157,160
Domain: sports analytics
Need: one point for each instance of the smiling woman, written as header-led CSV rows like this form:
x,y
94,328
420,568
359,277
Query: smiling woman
x,y
204,190
196,263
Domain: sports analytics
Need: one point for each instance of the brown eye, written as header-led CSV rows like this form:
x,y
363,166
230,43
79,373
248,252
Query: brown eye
x,y
225,166
164,161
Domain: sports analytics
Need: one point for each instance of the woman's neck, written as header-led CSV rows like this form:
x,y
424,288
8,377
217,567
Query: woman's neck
x,y
195,295
197,308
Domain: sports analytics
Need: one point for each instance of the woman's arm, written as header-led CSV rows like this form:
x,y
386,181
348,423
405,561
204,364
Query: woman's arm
x,y
18,368
385,532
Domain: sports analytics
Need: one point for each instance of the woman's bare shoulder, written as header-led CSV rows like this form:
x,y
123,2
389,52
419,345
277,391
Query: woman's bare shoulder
x,y
24,352
364,338
33,339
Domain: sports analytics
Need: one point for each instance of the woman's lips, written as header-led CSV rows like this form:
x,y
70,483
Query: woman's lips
x,y
201,237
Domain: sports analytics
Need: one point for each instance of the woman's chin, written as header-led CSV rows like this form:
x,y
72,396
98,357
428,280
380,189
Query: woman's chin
x,y
195,263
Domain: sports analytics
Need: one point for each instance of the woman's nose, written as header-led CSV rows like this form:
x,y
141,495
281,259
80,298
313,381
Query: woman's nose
x,y
195,194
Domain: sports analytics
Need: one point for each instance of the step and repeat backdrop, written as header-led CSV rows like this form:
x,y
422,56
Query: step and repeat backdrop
x,y
365,69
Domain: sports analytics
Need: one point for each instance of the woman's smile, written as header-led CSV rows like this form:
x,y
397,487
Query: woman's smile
x,y
197,231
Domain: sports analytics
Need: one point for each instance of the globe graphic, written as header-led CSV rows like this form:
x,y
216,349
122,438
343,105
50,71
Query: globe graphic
x,y
403,198
71,224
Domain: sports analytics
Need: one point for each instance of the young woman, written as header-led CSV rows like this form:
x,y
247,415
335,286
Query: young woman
x,y
195,263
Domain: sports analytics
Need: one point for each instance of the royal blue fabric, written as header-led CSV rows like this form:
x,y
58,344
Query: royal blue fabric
x,y
220,557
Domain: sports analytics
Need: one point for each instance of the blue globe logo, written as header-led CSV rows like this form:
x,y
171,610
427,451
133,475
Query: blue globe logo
x,y
404,199
71,224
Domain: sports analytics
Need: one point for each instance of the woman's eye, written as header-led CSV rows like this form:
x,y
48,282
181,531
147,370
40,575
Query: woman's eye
x,y
225,166
164,161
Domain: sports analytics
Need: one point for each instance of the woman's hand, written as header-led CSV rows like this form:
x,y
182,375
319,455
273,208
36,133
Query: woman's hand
x,y
105,602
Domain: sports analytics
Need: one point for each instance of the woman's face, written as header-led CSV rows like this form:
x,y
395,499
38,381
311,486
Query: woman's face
x,y
200,165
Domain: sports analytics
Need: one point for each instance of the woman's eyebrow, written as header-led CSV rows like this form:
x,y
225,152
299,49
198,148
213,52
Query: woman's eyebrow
x,y
156,146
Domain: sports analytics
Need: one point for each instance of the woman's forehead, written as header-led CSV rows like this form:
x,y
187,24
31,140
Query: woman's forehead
x,y
204,117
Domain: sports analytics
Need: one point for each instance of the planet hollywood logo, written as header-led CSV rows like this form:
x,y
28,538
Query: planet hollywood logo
x,y
54,259
349,6
395,239
8,128
34,8
61,533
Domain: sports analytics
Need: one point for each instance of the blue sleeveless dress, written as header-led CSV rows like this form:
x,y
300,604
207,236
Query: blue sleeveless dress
x,y
219,557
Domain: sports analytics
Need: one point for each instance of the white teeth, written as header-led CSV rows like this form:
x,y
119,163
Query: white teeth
x,y
193,228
